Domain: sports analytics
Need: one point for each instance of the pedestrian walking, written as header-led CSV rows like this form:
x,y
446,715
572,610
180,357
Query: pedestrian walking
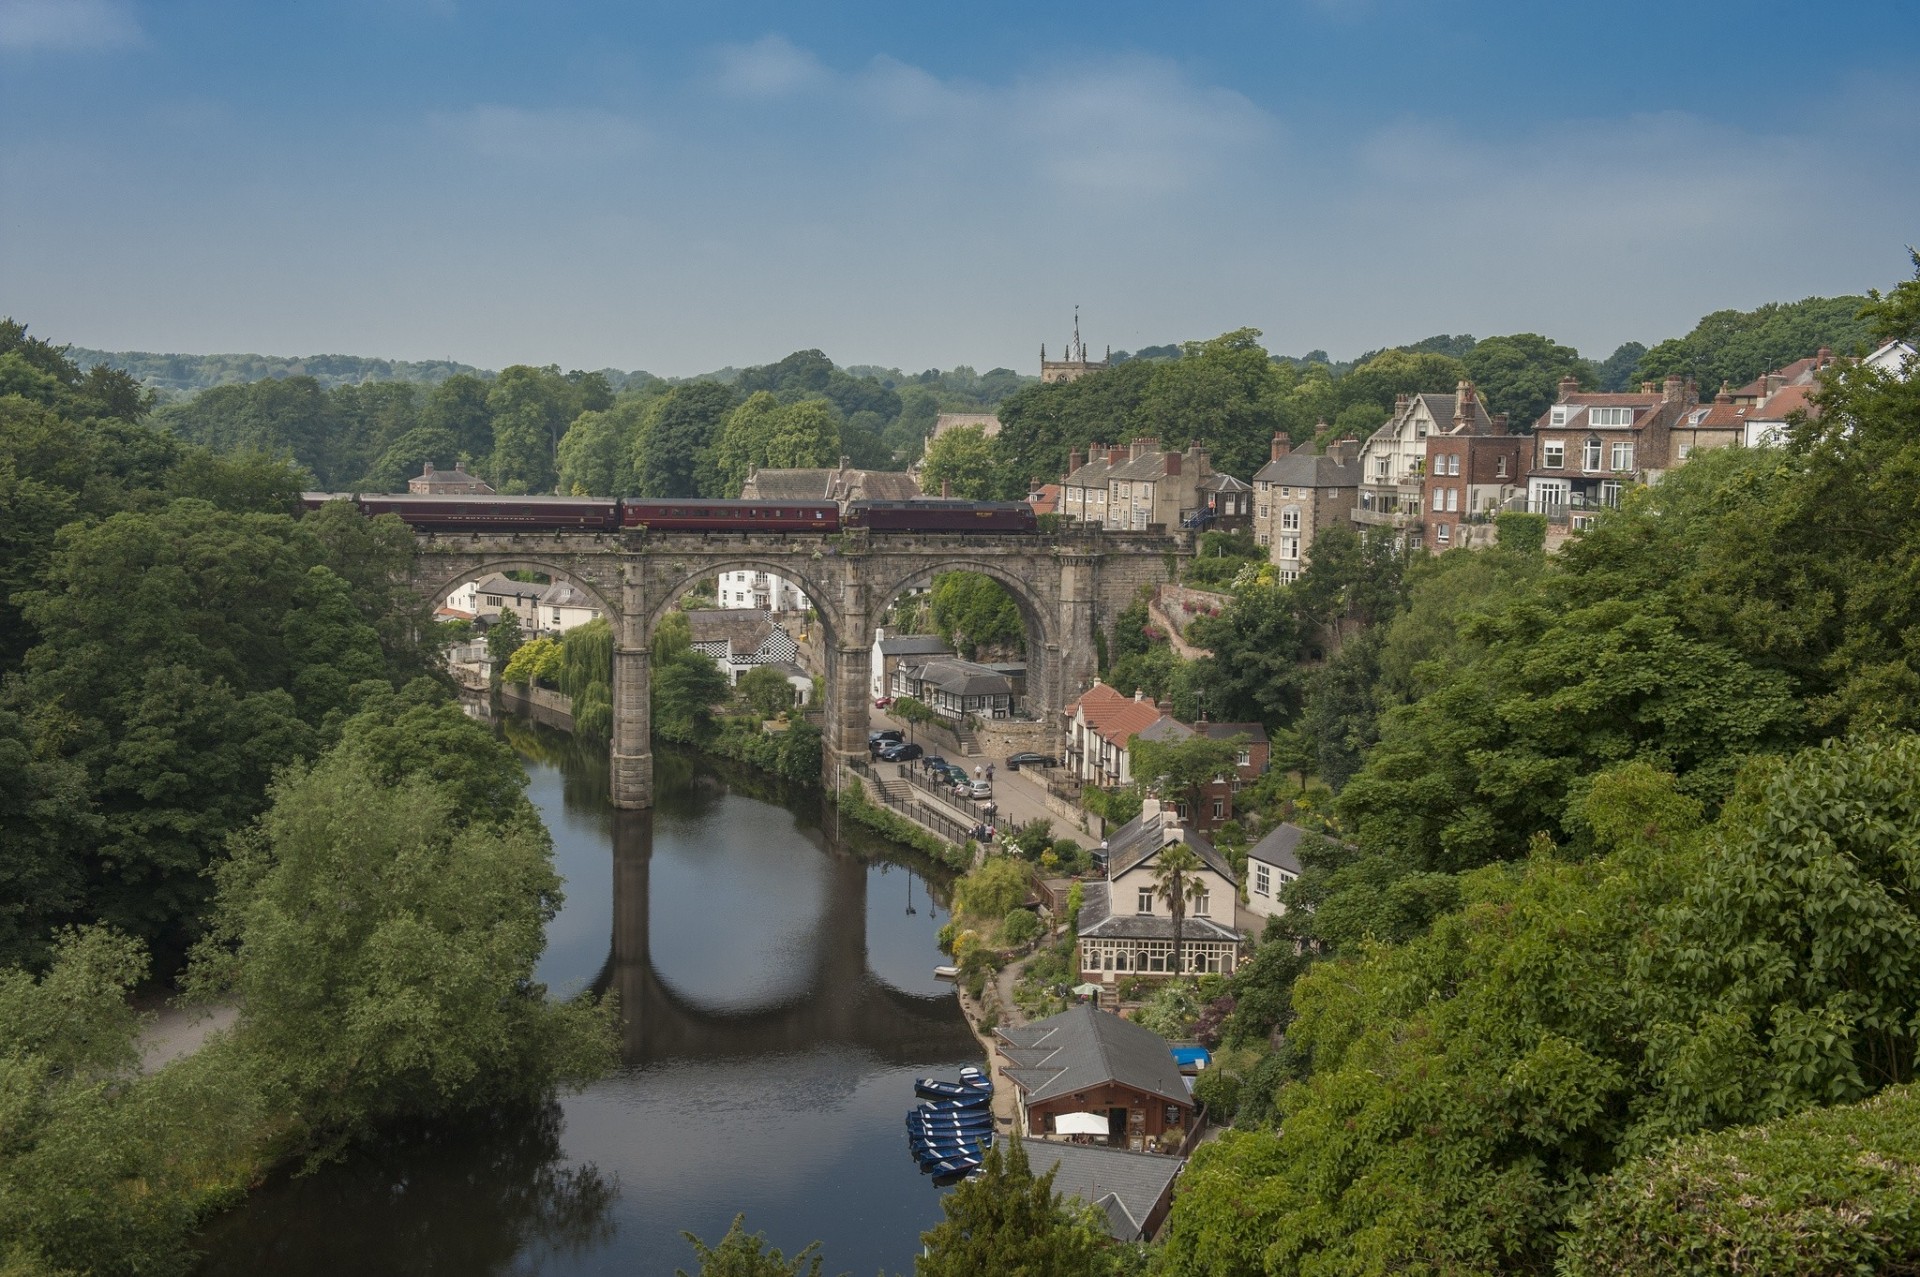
x,y
989,771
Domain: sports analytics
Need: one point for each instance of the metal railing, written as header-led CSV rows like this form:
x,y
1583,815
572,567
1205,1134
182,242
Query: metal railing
x,y
935,822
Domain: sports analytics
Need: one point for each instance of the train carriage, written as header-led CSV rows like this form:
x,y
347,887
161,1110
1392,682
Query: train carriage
x,y
702,514
496,514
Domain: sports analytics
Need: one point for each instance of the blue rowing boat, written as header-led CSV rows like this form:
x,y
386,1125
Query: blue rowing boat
x,y
970,1103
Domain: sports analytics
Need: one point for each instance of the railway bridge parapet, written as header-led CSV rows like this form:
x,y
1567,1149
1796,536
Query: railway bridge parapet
x,y
1067,586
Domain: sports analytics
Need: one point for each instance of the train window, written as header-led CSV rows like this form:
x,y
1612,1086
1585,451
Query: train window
x,y
818,515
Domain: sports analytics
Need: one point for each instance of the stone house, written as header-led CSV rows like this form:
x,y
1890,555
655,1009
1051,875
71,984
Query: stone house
x,y
1126,929
1590,446
1085,1061
449,483
485,599
1153,488
1083,489
1300,493
842,484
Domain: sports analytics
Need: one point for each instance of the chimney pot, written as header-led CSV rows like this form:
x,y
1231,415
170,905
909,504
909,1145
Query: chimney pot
x,y
1139,695
1648,388
429,469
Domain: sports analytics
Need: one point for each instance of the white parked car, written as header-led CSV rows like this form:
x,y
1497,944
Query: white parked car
x,y
981,789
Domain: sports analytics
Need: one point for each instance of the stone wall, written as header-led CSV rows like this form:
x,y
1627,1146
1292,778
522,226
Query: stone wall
x,y
540,704
1182,604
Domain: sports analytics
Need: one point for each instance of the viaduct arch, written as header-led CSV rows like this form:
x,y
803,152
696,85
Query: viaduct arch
x,y
1067,585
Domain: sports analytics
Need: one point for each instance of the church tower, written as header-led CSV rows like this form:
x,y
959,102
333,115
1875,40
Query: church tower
x,y
1076,365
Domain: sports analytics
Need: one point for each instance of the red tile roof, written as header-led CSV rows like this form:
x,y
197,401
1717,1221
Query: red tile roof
x,y
1113,717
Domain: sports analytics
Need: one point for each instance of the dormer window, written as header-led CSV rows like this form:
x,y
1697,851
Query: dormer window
x,y
1610,416
1559,417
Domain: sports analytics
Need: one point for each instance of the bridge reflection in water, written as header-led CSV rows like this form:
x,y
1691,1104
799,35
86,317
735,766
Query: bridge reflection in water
x,y
828,994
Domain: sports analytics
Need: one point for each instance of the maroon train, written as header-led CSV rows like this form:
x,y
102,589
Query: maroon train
x,y
688,514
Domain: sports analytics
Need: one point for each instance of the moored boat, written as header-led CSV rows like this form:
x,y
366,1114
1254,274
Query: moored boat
x,y
933,1088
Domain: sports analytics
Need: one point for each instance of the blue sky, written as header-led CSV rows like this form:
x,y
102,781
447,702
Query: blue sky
x,y
680,186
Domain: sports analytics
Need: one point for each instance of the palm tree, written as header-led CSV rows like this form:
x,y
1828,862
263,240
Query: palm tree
x,y
1177,880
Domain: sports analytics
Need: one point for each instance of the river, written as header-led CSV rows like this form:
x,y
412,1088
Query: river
x,y
776,978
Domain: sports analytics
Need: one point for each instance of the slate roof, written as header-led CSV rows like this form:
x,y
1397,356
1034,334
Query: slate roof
x,y
915,645
1308,467
1254,732
742,629
498,583
1098,921
1092,474
1217,482
830,485
1083,1047
1280,847
963,678
1140,839
1125,1186
1165,730
565,594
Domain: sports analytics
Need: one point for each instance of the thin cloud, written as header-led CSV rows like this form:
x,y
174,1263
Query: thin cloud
x,y
73,25
770,67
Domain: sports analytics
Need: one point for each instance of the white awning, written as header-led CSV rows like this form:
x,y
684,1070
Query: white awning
x,y
1081,1124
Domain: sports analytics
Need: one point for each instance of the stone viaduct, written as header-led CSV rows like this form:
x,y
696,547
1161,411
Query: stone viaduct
x,y
1066,585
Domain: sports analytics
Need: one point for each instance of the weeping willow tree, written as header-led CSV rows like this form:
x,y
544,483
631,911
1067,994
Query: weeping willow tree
x,y
586,675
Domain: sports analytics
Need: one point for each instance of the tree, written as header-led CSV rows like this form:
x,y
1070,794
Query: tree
x,y
1737,346
767,690
976,614
992,891
531,408
540,659
961,461
1182,768
914,712
1520,375
744,1254
675,436
504,639
459,406
1390,374
381,945
593,454
1010,1221
1177,881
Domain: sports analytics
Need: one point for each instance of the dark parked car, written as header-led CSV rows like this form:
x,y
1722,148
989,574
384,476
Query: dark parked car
x,y
877,741
900,753
1016,761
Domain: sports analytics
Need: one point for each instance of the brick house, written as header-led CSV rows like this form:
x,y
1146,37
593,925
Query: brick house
x,y
1473,469
1393,461
1300,493
1590,446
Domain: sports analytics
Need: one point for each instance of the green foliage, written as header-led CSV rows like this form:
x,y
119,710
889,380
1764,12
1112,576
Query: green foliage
x,y
672,445
586,676
977,615
1076,898
1520,375
764,433
1177,882
992,891
768,691
1011,1221
1019,928
1172,1009
541,660
743,1254
1827,1191
1737,346
962,462
380,942
1180,769
504,639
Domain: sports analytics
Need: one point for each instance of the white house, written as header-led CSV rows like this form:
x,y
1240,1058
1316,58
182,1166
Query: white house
x,y
564,606
1101,726
760,591
1272,863
1126,929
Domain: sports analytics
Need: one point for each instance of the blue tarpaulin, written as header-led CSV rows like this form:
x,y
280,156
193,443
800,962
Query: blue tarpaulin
x,y
1191,1057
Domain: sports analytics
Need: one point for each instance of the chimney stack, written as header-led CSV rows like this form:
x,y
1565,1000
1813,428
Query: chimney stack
x,y
1726,393
1074,461
1139,694
1568,386
1823,356
1671,389
1116,455
1649,388
1462,403
1500,423
1173,463
1281,446
1399,403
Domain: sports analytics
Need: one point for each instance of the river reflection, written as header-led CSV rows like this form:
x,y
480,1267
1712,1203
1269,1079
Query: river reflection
x,y
776,981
